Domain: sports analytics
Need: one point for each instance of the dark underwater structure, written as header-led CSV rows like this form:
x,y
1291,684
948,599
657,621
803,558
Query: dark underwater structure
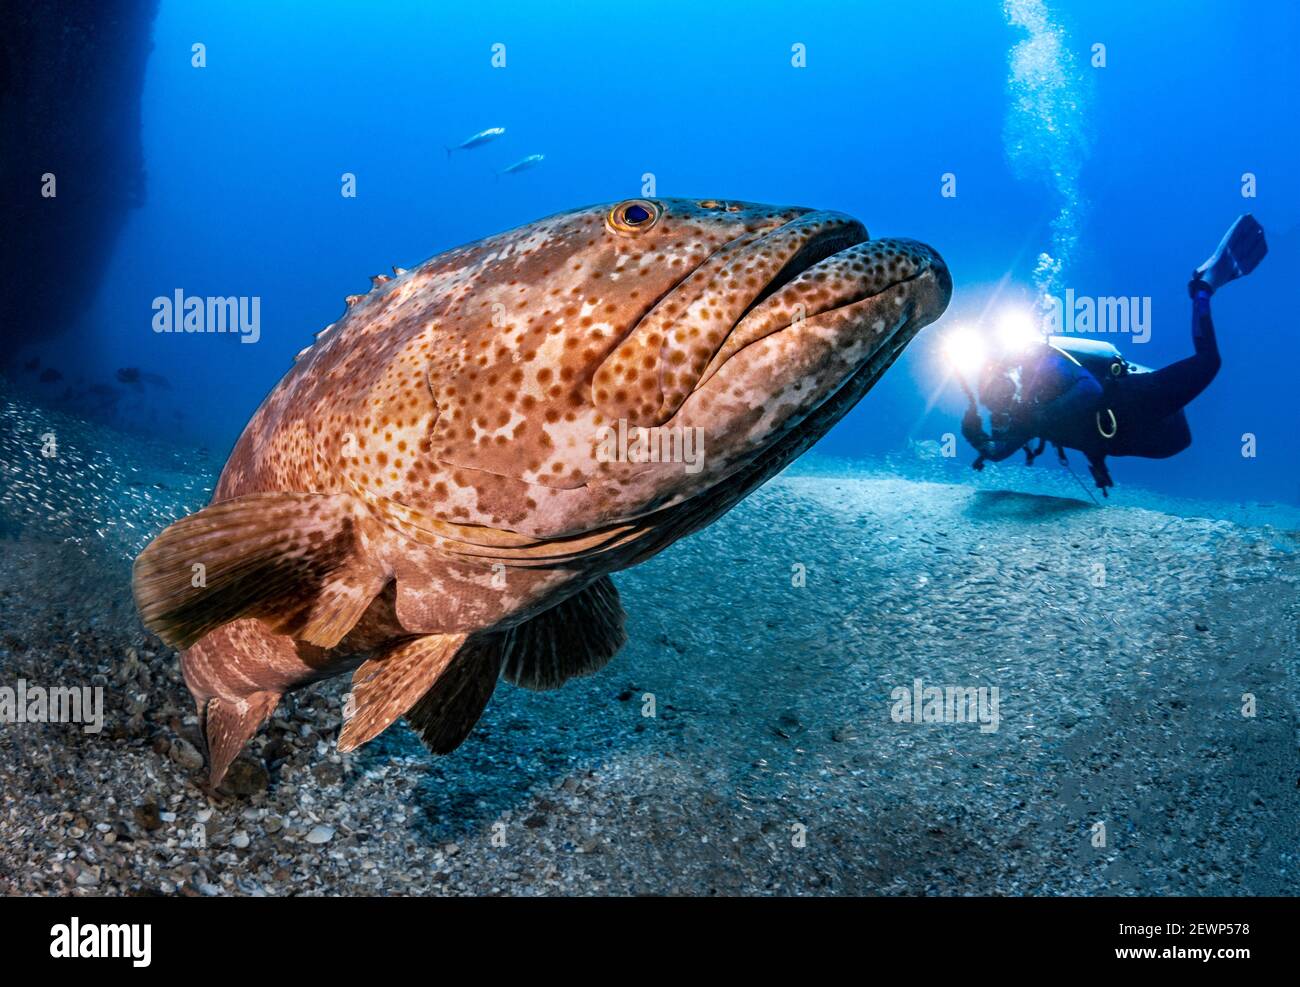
x,y
71,74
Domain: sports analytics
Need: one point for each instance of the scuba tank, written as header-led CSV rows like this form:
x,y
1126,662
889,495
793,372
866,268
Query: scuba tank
x,y
1102,360
1155,440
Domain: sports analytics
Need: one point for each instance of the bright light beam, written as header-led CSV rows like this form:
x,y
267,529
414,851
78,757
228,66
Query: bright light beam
x,y
1017,331
964,350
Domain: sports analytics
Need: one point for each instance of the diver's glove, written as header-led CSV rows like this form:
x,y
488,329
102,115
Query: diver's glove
x,y
972,429
1239,253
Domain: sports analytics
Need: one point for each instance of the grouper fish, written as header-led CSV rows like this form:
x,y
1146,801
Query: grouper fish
x,y
427,500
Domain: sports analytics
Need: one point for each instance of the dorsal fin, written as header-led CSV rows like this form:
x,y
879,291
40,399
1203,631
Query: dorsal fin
x,y
377,279
573,638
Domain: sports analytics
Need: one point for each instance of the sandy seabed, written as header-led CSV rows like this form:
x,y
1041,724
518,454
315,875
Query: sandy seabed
x,y
1122,762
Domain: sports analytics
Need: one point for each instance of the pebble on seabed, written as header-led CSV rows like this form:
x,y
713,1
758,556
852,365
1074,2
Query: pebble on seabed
x,y
770,764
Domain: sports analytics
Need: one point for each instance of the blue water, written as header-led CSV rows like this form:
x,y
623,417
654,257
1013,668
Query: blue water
x,y
1124,175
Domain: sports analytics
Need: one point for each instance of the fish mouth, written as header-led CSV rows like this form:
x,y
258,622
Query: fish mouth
x,y
820,247
786,445
664,359
799,274
851,340
842,279
808,350
750,465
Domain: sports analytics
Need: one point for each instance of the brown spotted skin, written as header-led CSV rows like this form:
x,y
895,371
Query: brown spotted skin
x,y
471,390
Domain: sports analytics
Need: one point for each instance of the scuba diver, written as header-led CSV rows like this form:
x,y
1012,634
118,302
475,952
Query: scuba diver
x,y
1082,394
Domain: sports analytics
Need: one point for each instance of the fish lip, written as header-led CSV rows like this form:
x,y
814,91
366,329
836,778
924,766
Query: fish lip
x,y
817,249
790,445
934,267
720,282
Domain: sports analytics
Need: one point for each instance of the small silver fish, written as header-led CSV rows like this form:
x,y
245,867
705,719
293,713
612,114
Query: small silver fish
x,y
521,164
474,140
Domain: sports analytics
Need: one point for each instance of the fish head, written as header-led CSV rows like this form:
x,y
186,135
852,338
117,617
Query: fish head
x,y
752,327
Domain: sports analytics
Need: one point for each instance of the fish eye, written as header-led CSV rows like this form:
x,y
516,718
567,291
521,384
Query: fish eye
x,y
633,216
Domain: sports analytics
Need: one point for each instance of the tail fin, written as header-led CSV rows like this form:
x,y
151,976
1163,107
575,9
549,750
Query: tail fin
x,y
229,724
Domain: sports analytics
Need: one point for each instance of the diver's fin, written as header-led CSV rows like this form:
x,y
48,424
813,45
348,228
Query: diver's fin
x,y
228,724
446,714
573,638
296,561
390,683
1239,253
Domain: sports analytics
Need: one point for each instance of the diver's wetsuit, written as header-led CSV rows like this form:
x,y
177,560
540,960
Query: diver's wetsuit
x,y
1063,403
1143,400
1058,400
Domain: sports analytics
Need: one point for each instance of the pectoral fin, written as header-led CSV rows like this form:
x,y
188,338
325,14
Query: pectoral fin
x,y
392,682
443,682
446,714
300,562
